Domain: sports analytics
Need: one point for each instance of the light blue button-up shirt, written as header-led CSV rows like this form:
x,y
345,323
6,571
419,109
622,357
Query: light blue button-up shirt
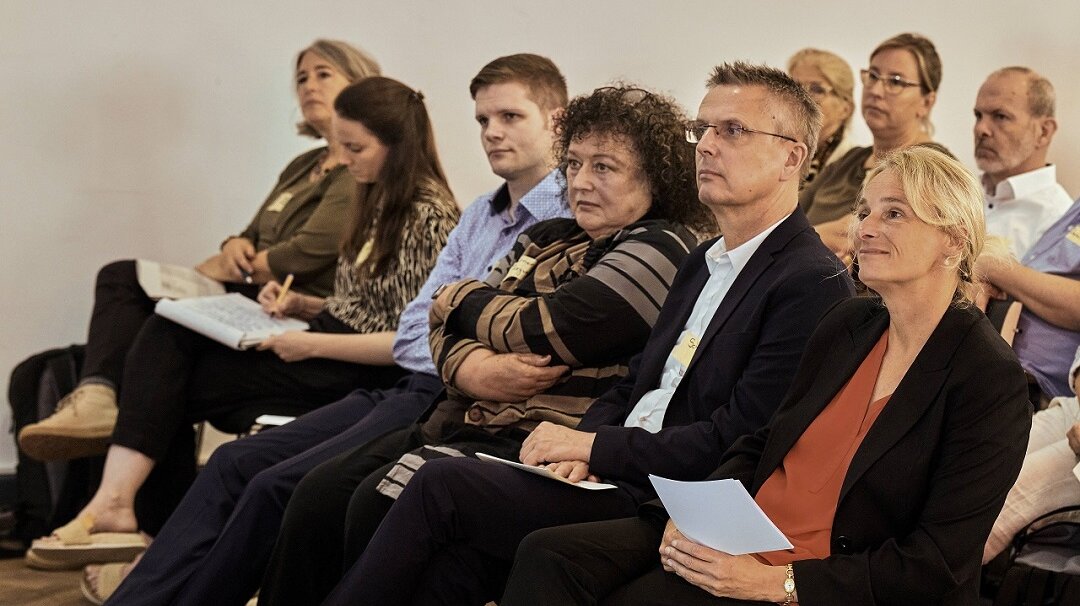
x,y
485,234
724,266
1044,349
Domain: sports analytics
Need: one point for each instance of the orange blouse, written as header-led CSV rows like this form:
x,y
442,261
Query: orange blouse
x,y
801,495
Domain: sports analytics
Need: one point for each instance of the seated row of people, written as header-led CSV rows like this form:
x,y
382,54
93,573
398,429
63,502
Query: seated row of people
x,y
524,353
1013,128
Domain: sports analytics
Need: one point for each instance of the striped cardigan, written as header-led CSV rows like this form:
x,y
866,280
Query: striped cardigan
x,y
589,304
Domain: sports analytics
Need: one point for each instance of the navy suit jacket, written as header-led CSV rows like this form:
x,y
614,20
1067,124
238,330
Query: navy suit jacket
x,y
740,370
931,474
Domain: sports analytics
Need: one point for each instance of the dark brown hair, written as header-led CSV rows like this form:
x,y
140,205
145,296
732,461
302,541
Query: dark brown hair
x,y
655,128
396,115
546,84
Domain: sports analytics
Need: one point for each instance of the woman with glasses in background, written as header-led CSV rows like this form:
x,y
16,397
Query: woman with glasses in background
x,y
830,82
899,90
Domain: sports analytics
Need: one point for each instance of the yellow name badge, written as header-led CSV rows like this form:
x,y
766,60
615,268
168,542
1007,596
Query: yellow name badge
x,y
684,351
521,268
1074,235
365,252
279,203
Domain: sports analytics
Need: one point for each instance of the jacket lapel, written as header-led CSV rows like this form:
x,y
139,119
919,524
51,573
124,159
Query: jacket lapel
x,y
759,262
681,300
915,393
845,354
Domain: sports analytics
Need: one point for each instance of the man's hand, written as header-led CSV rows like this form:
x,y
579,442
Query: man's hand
x,y
718,573
551,443
509,377
575,471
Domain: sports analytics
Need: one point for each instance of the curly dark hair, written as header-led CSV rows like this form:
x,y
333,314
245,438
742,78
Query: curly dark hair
x,y
654,126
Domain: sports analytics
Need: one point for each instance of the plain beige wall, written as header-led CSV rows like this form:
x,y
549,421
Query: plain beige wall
x,y
154,129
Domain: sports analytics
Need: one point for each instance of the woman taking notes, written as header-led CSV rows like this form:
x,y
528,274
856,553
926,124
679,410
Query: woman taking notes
x,y
174,376
886,464
295,231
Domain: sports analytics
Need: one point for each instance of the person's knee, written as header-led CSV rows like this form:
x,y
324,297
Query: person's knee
x,y
268,486
117,272
540,548
310,499
226,463
435,477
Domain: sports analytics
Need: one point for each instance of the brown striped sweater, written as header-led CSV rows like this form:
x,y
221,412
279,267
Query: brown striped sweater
x,y
588,304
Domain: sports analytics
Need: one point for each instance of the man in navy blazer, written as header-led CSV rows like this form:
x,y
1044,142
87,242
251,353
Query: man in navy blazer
x,y
720,358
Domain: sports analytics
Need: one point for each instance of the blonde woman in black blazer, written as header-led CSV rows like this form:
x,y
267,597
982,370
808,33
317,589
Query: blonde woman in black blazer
x,y
922,490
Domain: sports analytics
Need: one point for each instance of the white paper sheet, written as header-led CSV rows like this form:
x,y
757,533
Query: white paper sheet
x,y
719,514
543,472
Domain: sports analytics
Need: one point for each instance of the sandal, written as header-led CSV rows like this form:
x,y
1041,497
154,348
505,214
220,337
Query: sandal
x,y
109,578
73,546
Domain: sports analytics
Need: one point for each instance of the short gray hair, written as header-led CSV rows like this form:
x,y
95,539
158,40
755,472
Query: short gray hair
x,y
803,116
1041,97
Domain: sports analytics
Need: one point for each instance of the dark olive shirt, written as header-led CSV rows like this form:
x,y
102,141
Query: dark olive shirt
x,y
300,224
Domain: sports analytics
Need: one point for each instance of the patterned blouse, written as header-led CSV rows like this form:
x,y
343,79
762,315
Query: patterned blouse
x,y
589,304
373,303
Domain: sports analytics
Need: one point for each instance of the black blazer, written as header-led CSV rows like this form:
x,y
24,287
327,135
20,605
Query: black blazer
x,y
741,368
931,475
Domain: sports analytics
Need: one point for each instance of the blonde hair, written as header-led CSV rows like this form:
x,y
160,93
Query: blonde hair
x,y
352,63
836,71
944,194
927,60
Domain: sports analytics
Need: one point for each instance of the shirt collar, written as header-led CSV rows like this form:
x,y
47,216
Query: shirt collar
x,y
547,200
1024,184
739,256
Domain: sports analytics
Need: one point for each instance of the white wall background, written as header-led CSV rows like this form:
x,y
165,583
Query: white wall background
x,y
135,128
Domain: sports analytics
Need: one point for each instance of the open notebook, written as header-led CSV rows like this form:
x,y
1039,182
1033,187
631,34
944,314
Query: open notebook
x,y
231,319
164,281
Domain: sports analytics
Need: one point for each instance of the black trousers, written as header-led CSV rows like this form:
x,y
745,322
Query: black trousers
x,y
451,536
336,509
120,309
612,563
215,547
174,377
310,553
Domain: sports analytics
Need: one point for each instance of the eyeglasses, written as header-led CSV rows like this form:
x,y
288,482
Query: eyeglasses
x,y
892,85
629,95
730,132
817,89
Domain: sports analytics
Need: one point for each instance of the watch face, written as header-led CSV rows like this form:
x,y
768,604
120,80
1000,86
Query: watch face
x,y
789,585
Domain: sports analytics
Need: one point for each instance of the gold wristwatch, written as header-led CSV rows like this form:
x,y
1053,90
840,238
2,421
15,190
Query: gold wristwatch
x,y
789,586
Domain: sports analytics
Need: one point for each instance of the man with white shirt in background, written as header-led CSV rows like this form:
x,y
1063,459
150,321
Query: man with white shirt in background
x,y
1014,124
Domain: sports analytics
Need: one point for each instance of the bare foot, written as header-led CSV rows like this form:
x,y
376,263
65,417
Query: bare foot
x,y
101,519
110,517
